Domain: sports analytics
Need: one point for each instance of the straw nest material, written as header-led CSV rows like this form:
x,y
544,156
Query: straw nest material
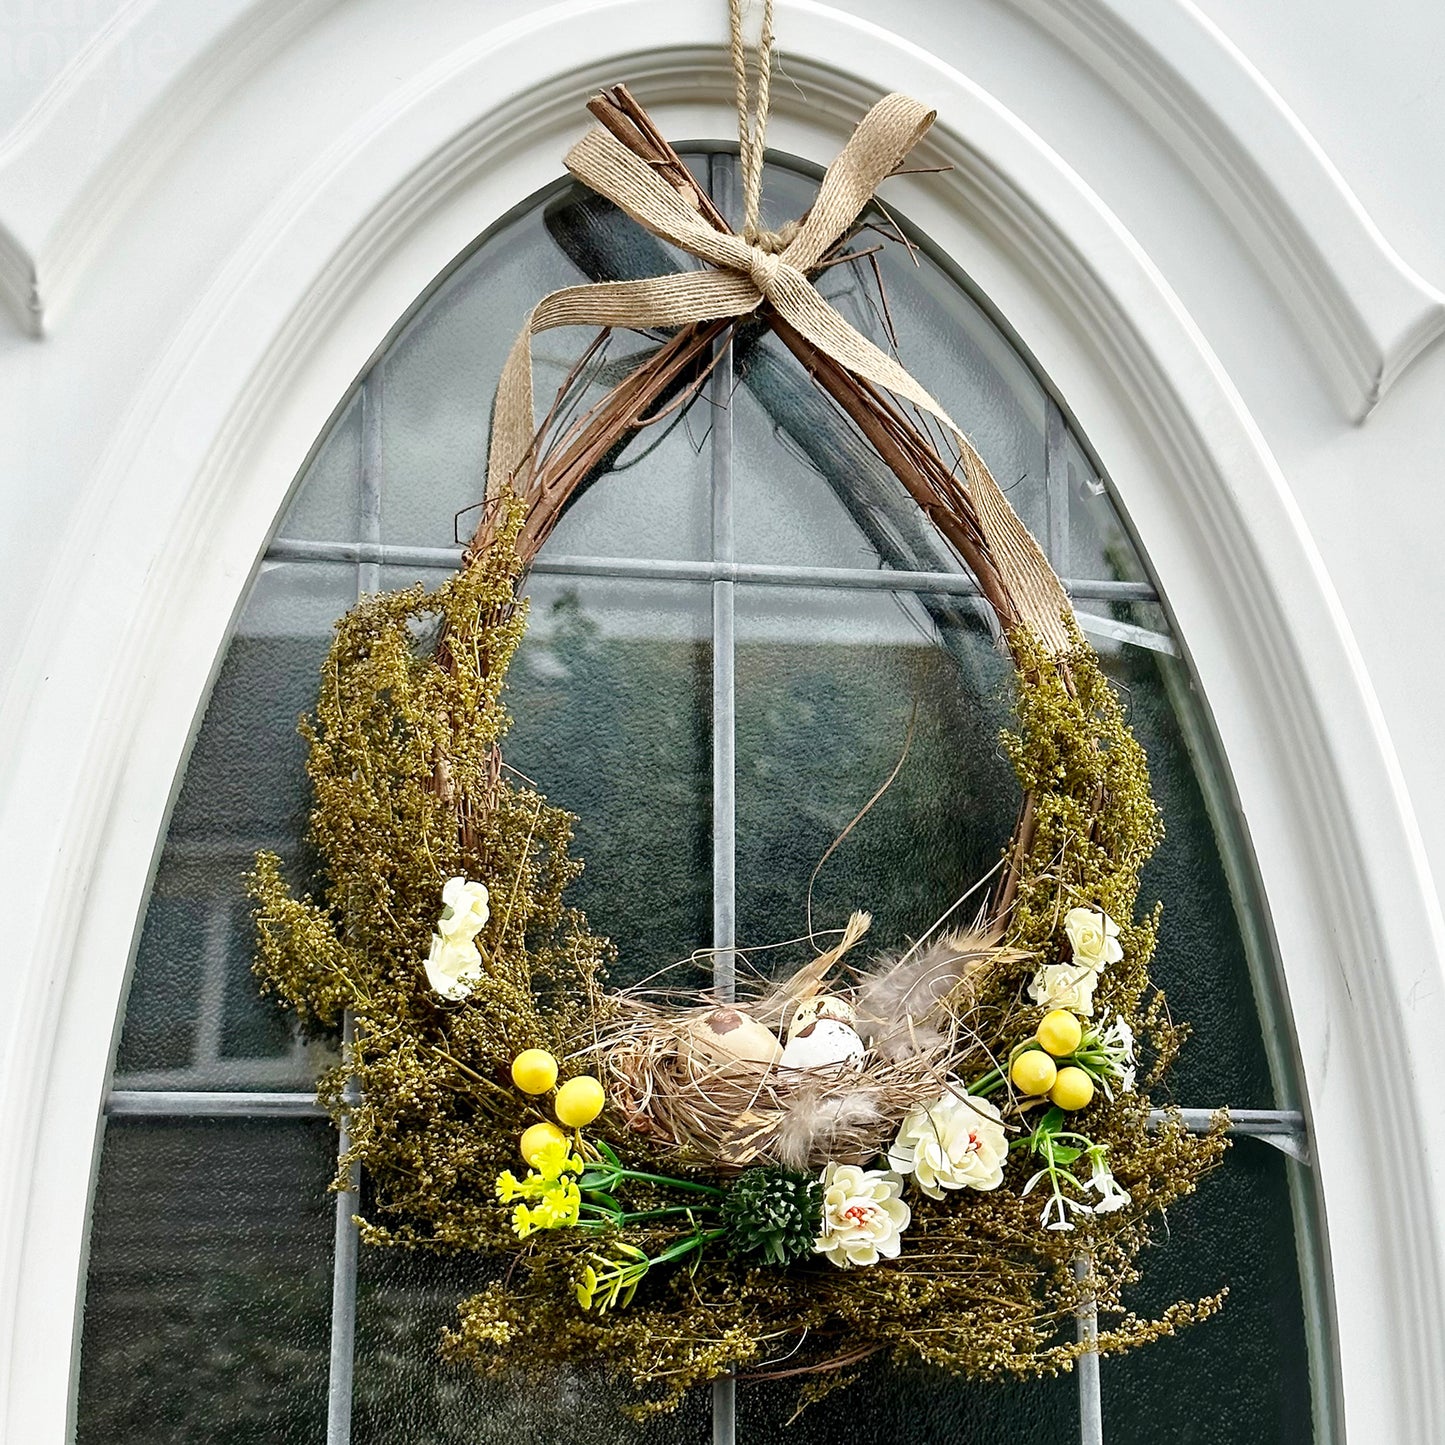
x,y
711,1083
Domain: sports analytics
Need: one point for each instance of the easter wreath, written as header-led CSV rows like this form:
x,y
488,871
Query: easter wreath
x,y
940,1156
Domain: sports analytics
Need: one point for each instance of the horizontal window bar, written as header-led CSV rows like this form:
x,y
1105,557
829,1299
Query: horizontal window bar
x,y
285,549
220,1103
1253,1122
211,1104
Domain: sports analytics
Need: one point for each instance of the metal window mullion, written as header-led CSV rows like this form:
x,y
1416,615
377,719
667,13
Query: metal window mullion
x,y
343,1287
1056,488
723,187
344,1260
724,757
661,569
1091,1401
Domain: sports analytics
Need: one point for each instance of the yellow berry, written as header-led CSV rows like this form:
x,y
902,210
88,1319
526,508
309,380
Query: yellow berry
x,y
537,1137
1060,1032
534,1071
579,1101
1073,1089
1033,1072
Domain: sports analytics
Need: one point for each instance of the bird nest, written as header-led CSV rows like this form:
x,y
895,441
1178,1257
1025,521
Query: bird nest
x,y
809,1071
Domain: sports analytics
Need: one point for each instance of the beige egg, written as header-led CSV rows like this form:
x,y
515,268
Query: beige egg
x,y
824,1044
824,1006
728,1033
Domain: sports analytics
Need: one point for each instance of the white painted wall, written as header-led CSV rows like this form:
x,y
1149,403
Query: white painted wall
x,y
1217,227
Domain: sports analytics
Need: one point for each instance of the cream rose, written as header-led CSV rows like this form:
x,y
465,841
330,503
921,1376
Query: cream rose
x,y
465,909
1093,936
958,1143
1065,985
863,1215
453,966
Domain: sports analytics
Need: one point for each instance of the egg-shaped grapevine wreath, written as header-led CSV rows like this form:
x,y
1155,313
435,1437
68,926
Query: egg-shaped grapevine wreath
x,y
937,1156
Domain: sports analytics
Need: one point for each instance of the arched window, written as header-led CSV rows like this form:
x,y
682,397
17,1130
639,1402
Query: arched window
x,y
731,630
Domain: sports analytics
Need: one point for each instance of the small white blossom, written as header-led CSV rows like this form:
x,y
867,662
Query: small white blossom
x,y
1060,1206
863,1216
1111,1195
1118,1043
1065,985
1094,937
465,909
958,1143
453,967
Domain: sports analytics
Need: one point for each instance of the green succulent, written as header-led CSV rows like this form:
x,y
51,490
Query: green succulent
x,y
775,1213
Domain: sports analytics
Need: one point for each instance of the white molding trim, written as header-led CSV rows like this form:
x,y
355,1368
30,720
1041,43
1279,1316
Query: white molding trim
x,y
1367,313
225,407
1364,311
100,133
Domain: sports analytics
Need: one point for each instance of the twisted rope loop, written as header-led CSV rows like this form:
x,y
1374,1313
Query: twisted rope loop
x,y
752,116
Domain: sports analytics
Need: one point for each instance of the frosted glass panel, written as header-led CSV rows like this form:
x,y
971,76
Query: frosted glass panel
x,y
195,1019
909,305
431,399
325,508
207,1309
613,705
1099,545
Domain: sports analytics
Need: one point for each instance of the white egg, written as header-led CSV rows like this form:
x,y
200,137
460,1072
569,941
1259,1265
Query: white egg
x,y
826,1043
824,1006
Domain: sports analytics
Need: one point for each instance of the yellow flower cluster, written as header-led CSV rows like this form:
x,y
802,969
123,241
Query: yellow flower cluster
x,y
558,1200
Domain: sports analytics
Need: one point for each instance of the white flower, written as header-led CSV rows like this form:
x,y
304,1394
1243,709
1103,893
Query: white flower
x,y
1057,1210
1093,936
1111,1195
1065,985
453,966
465,910
1118,1044
958,1143
863,1215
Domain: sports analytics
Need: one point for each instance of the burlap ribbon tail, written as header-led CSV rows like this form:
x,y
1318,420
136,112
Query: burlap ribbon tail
x,y
741,276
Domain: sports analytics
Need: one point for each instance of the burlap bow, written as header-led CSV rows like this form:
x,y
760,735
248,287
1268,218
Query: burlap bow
x,y
743,275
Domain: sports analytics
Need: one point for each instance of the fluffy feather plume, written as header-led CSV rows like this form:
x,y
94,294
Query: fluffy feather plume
x,y
909,1004
820,1123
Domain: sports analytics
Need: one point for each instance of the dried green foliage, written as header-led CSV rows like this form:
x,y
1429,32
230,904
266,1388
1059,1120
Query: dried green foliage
x,y
410,790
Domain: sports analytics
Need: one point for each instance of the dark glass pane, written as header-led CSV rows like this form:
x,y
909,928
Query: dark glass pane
x,y
194,1018
612,696
207,1308
162,1012
430,396
1241,1378
405,1393
827,683
922,1407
